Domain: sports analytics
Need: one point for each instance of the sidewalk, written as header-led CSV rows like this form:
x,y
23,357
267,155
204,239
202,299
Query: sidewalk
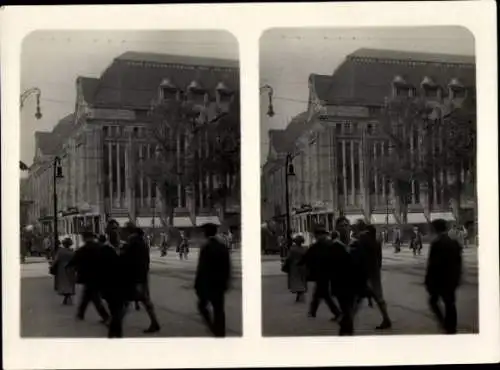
x,y
172,262
42,314
406,299
404,260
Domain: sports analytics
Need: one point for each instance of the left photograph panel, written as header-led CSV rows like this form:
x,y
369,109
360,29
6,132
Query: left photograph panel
x,y
130,184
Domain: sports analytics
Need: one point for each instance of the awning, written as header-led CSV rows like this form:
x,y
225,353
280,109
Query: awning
x,y
381,218
148,222
122,221
354,218
416,218
201,220
182,222
447,216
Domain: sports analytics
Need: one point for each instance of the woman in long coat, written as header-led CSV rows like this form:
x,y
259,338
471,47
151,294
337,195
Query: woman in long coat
x,y
65,277
297,273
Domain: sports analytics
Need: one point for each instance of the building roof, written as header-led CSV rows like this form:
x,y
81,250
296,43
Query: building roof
x,y
133,78
49,143
283,140
366,76
384,54
135,56
89,87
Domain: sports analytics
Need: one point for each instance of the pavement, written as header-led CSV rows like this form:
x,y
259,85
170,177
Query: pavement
x,y
402,279
171,285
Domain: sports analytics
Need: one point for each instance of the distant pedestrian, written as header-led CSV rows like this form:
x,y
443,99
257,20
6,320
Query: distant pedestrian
x,y
89,270
297,273
465,236
397,240
47,247
444,269
65,276
416,241
164,244
457,234
183,247
212,280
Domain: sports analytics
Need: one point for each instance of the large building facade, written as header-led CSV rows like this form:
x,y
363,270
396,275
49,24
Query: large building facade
x,y
333,144
103,144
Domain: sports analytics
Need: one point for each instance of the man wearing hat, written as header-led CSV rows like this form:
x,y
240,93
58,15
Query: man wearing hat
x,y
135,262
212,280
443,275
320,262
89,270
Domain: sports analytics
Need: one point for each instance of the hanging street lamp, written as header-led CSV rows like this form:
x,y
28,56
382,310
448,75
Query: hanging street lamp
x,y
270,110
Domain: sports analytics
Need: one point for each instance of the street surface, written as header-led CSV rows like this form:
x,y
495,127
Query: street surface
x,y
171,284
402,278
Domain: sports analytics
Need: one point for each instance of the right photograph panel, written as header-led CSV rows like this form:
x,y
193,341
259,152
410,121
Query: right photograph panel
x,y
368,181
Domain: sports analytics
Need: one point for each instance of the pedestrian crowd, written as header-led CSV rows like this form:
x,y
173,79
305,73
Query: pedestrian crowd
x,y
345,267
114,268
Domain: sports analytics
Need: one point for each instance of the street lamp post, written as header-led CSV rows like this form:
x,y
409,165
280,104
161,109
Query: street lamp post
x,y
289,171
387,210
270,110
28,93
38,113
57,174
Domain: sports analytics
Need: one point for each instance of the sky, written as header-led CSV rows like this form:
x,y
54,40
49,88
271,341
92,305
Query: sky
x,y
52,60
289,56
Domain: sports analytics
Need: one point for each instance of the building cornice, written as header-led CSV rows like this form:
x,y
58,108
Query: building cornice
x,y
413,63
147,64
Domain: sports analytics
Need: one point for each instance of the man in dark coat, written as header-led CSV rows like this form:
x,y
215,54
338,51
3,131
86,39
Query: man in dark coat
x,y
135,262
90,272
111,287
372,265
346,281
320,261
212,280
444,269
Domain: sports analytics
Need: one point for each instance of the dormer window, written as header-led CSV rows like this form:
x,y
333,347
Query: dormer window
x,y
223,93
456,89
168,90
430,88
400,87
196,92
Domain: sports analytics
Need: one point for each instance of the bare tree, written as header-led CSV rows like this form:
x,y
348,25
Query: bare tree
x,y
400,122
223,159
173,126
189,147
426,139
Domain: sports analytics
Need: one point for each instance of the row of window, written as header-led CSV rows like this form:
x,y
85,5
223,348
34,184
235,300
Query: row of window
x,y
119,131
431,92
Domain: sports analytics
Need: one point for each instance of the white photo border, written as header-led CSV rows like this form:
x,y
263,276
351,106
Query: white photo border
x,y
247,22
